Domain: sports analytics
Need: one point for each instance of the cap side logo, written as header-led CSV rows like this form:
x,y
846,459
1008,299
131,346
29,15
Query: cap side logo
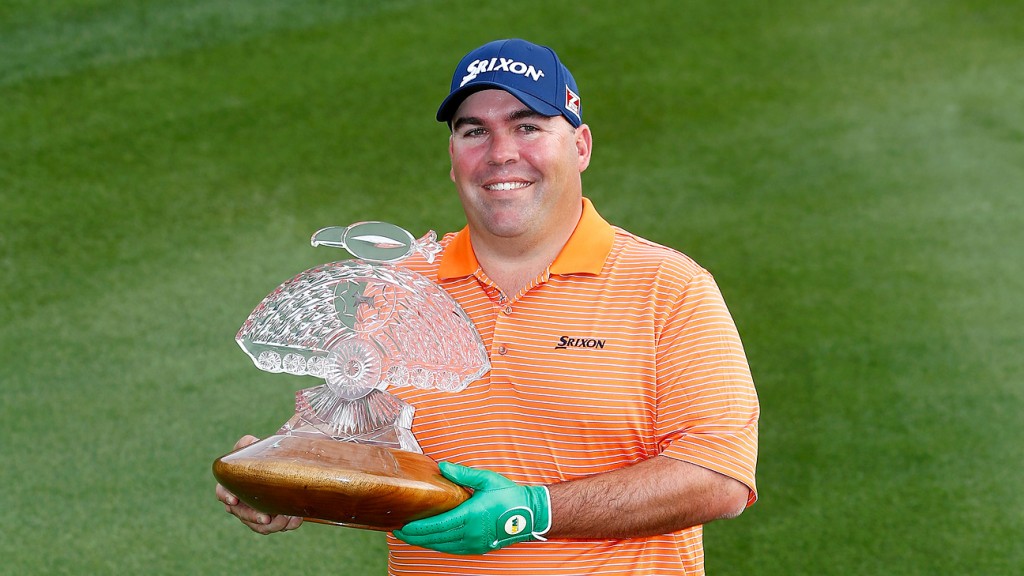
x,y
572,102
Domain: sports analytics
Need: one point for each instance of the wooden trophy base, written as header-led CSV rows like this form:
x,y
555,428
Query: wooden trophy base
x,y
337,482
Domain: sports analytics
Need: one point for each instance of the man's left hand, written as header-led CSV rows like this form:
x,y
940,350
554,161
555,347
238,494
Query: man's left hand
x,y
500,512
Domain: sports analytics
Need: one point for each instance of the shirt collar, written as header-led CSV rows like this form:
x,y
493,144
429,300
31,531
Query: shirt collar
x,y
584,253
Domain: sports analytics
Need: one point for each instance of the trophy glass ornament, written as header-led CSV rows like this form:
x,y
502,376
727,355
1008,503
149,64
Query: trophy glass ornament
x,y
348,455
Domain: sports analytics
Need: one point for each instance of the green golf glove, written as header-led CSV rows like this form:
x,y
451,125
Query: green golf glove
x,y
500,512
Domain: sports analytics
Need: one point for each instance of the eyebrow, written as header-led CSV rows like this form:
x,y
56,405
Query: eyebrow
x,y
512,117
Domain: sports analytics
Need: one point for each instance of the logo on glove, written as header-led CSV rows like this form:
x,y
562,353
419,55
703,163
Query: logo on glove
x,y
514,522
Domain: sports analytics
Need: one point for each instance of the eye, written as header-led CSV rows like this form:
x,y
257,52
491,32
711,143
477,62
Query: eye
x,y
528,127
473,132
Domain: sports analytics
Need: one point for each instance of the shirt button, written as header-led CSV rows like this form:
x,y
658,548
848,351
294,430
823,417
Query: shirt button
x,y
502,350
507,310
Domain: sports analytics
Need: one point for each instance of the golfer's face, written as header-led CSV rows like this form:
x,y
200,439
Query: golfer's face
x,y
517,172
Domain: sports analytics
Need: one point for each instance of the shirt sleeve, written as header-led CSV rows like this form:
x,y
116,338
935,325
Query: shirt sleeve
x,y
707,407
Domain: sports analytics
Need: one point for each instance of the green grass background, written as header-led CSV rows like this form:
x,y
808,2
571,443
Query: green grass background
x,y
851,171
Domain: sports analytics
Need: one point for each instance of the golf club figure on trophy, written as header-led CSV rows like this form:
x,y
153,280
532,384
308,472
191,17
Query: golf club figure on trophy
x,y
348,455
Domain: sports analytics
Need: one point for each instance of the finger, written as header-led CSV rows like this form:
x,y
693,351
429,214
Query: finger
x,y
279,523
246,440
263,529
475,478
264,524
244,512
250,515
453,519
226,497
430,539
461,548
294,522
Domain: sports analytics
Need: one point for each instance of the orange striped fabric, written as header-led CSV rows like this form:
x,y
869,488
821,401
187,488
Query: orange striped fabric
x,y
622,350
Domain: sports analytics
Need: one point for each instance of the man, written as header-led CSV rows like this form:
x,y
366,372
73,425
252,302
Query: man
x,y
619,415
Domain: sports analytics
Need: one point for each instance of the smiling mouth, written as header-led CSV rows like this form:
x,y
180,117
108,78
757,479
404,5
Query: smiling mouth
x,y
505,186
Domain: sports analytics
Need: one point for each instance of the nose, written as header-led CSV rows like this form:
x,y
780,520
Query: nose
x,y
503,149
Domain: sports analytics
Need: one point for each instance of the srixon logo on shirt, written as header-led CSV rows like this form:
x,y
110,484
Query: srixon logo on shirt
x,y
567,342
509,65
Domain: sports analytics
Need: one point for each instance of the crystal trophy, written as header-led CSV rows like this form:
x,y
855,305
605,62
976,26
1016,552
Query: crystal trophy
x,y
348,455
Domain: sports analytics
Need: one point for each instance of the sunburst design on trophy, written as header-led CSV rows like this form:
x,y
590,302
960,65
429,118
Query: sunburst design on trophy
x,y
364,325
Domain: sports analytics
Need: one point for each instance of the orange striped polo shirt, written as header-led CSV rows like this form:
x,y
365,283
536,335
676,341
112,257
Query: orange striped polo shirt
x,y
620,351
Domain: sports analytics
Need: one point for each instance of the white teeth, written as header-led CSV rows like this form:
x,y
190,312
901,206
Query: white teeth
x,y
502,186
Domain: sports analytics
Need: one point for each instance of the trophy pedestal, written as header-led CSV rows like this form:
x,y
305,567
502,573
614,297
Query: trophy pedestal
x,y
335,482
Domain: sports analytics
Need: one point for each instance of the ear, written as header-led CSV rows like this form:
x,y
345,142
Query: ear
x,y
584,146
451,157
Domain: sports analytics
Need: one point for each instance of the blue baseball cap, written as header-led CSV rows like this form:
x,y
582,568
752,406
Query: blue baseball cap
x,y
531,73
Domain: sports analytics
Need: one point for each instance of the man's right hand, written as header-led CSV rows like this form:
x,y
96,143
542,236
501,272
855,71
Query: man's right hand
x,y
259,522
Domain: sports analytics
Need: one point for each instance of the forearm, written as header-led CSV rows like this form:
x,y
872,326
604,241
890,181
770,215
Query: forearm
x,y
656,496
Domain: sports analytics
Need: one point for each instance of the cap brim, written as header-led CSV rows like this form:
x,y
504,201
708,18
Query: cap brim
x,y
454,100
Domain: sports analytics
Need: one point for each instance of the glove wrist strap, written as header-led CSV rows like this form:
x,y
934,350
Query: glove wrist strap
x,y
541,504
